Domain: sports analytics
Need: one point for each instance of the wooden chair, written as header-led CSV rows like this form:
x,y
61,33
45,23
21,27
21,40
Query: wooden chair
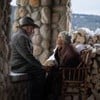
x,y
74,79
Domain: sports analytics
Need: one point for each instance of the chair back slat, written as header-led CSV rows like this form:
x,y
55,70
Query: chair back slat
x,y
76,76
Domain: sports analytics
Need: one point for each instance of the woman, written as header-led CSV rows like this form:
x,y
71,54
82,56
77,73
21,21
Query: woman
x,y
65,55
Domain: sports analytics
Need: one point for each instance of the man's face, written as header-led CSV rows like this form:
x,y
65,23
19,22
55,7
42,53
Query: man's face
x,y
30,30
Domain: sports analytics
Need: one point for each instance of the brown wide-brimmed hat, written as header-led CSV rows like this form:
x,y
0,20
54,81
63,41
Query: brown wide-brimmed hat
x,y
27,21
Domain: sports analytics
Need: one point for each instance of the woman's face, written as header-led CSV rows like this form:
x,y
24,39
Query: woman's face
x,y
60,40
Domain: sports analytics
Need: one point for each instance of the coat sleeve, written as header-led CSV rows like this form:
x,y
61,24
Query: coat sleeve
x,y
22,46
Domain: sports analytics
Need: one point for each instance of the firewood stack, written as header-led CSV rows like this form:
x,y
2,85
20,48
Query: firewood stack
x,y
92,42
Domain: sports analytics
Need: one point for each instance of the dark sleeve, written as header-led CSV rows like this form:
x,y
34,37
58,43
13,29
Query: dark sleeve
x,y
23,48
56,56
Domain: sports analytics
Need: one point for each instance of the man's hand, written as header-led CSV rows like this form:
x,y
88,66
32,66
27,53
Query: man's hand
x,y
48,65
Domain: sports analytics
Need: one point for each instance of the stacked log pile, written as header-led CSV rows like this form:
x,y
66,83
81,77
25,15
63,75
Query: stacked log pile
x,y
92,42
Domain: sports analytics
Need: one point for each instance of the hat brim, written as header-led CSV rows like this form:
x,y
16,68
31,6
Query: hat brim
x,y
34,25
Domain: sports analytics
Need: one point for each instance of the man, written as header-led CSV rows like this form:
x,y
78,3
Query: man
x,y
23,61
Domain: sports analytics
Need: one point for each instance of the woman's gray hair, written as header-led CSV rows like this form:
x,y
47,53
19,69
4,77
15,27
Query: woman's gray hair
x,y
66,36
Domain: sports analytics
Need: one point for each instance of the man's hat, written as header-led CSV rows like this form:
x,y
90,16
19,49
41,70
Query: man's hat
x,y
27,21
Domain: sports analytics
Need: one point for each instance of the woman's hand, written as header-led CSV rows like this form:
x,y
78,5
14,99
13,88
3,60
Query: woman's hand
x,y
48,65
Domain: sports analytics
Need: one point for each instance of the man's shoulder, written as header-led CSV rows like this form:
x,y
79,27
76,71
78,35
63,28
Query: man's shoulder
x,y
19,35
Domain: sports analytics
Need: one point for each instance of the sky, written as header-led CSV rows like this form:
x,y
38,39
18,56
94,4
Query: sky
x,y
86,6
13,3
